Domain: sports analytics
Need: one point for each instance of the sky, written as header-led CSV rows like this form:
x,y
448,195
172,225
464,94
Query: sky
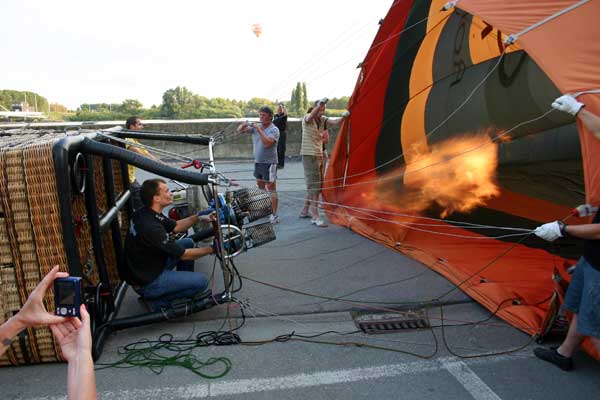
x,y
75,52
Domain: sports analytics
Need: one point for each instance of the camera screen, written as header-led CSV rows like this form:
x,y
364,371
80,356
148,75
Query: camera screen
x,y
66,293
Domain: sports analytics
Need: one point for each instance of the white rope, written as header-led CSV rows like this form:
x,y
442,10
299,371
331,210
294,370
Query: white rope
x,y
146,147
513,38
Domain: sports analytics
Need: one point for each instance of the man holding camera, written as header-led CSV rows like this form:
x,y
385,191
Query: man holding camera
x,y
280,121
265,136
151,256
314,134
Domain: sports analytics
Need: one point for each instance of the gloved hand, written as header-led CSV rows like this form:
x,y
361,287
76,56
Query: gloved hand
x,y
568,104
324,100
345,114
550,231
584,210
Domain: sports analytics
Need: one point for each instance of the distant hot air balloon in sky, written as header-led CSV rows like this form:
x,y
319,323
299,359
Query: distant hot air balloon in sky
x,y
257,29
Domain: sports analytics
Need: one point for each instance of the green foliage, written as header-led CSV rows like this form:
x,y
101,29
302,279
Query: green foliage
x,y
304,98
178,103
299,100
34,100
338,103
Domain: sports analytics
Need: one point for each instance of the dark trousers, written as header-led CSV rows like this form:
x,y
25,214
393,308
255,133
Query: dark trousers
x,y
281,149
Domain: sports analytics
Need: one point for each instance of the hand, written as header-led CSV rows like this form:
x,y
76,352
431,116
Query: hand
x,y
202,216
74,336
215,247
324,100
568,104
34,313
345,114
550,231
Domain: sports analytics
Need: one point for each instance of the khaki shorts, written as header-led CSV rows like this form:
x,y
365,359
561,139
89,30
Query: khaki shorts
x,y
313,169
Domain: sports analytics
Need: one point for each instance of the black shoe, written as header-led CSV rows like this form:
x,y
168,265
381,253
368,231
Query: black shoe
x,y
552,356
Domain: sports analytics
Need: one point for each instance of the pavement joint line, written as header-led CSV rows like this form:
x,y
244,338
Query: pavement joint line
x,y
470,381
458,368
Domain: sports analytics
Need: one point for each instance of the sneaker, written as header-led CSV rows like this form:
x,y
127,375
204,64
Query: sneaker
x,y
304,215
319,223
552,356
274,219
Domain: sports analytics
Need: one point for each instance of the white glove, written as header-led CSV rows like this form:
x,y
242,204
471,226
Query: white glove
x,y
324,100
345,114
584,210
550,231
568,104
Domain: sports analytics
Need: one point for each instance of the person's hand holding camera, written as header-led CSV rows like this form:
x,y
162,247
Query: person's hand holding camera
x,y
34,313
74,336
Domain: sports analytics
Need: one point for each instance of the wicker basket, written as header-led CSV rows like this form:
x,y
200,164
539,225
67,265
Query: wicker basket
x,y
31,240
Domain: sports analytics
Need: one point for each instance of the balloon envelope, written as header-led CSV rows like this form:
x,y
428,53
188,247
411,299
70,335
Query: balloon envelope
x,y
257,29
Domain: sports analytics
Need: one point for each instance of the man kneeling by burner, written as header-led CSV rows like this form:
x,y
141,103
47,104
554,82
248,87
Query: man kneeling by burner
x,y
151,255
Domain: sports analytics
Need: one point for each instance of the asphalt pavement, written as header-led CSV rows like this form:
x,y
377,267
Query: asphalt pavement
x,y
320,353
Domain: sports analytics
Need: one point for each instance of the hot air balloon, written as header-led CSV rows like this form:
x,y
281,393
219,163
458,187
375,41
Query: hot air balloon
x,y
452,145
257,29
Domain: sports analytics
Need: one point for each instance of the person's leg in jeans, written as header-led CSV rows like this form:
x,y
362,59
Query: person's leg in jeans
x,y
171,285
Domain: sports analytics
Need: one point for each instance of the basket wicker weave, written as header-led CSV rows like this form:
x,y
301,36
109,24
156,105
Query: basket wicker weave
x,y
31,240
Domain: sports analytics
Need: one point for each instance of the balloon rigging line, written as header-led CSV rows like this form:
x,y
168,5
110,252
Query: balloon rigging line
x,y
455,224
145,147
379,166
405,173
467,99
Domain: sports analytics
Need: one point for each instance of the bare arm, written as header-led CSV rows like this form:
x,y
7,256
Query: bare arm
x,y
591,121
75,339
33,313
586,231
312,115
335,121
197,252
267,141
141,151
186,223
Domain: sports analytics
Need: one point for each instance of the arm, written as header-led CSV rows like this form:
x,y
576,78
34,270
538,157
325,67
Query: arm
x,y
244,127
267,141
312,115
33,313
186,223
586,231
591,121
197,252
335,121
141,151
569,104
75,339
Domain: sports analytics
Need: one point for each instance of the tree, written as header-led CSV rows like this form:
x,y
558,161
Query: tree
x,y
130,106
304,98
298,104
177,102
293,101
34,100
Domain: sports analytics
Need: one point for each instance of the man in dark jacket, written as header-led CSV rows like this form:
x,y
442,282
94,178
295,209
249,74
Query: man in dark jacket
x,y
280,121
151,256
